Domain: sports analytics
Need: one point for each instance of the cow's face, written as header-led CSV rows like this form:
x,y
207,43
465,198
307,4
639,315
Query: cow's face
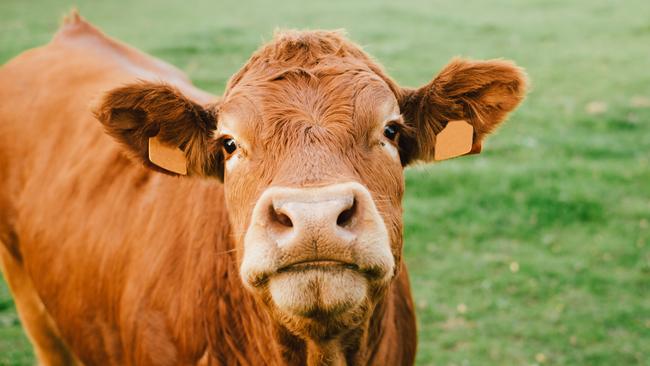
x,y
313,183
310,141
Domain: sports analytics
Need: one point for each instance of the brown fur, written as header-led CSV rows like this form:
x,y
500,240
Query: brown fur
x,y
136,267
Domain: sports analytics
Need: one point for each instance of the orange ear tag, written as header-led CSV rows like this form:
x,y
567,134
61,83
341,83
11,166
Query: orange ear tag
x,y
167,157
454,140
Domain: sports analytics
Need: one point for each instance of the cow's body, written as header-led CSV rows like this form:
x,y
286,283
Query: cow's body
x,y
131,266
284,244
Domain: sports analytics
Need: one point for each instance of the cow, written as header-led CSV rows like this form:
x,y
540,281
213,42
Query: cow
x,y
146,222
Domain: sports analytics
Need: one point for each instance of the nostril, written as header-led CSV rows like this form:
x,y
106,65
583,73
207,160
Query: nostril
x,y
345,217
280,217
284,219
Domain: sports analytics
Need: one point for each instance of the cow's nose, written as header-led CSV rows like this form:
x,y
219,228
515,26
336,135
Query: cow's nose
x,y
329,211
328,216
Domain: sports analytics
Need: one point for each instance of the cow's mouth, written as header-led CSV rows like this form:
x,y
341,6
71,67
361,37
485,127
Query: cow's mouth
x,y
330,266
318,264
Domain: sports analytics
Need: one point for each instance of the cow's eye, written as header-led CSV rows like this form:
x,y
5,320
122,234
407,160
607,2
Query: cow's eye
x,y
229,145
391,131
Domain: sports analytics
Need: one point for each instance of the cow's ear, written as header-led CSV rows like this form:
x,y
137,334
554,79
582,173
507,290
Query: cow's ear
x,y
162,129
475,96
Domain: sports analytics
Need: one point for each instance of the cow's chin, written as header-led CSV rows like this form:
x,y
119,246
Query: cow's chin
x,y
317,293
320,303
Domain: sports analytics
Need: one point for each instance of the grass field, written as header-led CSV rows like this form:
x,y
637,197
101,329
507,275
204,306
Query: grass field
x,y
535,252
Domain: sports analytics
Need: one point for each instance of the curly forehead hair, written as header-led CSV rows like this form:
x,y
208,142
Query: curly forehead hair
x,y
312,53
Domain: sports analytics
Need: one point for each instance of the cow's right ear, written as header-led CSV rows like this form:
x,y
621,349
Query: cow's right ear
x,y
163,129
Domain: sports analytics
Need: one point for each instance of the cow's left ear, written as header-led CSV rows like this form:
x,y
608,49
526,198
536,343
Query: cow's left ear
x,y
162,129
475,96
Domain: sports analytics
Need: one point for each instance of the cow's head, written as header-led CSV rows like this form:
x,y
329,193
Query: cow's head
x,y
310,140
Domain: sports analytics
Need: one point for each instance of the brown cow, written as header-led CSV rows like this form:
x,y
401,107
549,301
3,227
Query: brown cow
x,y
282,246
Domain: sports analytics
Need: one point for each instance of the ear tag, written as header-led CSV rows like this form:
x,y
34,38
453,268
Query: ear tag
x,y
167,157
454,140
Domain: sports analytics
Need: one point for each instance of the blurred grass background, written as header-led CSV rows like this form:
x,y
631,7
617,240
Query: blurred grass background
x,y
536,251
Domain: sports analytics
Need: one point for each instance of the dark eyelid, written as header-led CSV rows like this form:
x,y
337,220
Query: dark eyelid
x,y
399,123
404,129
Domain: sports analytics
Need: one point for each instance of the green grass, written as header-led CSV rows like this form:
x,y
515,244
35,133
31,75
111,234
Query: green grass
x,y
536,251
